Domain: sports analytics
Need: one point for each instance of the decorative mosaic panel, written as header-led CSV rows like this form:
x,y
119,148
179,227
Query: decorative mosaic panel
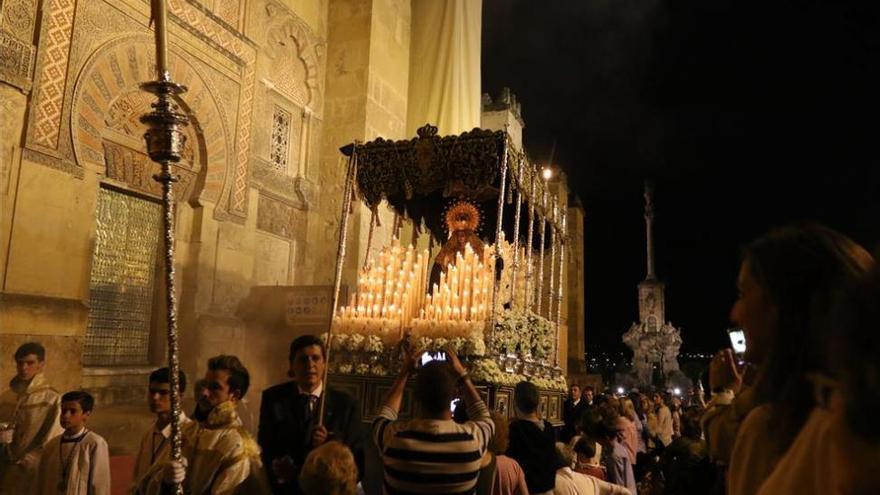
x,y
121,280
53,71
238,200
280,145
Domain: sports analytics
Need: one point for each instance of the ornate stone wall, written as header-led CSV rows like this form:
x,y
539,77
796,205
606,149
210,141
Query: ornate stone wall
x,y
240,223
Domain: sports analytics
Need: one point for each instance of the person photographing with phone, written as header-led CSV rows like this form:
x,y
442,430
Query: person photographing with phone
x,y
788,283
432,453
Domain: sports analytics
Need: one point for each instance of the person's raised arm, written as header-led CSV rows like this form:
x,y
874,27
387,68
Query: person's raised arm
x,y
478,411
471,396
387,413
395,395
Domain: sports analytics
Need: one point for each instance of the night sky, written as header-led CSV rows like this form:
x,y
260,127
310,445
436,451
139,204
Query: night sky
x,y
746,115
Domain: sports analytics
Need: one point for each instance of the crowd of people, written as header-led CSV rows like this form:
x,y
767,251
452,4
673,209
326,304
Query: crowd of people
x,y
791,416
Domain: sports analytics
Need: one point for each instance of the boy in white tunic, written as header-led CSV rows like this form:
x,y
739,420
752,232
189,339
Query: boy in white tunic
x,y
77,462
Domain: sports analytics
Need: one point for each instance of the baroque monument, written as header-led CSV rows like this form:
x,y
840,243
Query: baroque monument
x,y
654,341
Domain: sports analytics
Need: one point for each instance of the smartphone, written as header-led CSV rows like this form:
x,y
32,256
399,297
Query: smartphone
x,y
427,357
737,340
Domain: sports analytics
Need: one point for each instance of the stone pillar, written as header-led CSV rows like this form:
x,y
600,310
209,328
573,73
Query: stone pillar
x,y
575,289
366,97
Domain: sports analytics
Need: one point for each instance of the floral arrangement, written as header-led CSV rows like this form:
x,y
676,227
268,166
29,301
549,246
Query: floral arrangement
x,y
558,383
364,369
517,331
472,345
482,370
355,342
524,331
487,370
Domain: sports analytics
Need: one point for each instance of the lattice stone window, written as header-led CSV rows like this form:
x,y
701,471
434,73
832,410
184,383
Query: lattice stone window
x,y
121,280
280,146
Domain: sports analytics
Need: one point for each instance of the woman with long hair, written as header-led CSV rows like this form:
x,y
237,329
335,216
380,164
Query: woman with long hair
x,y
788,284
838,449
629,432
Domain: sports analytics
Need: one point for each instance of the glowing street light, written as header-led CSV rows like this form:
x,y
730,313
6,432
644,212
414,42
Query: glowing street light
x,y
547,173
620,391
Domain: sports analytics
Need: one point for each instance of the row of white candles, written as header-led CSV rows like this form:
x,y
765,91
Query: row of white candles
x,y
390,289
464,292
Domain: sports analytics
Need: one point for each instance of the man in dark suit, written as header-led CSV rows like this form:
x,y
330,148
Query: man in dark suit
x,y
572,410
288,417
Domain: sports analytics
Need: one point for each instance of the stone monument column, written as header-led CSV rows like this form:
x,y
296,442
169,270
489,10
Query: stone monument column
x,y
654,342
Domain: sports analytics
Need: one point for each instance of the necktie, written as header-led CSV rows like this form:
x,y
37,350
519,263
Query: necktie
x,y
308,408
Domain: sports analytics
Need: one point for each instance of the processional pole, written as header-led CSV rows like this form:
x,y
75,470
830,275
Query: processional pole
x,y
518,183
530,289
542,216
559,292
165,140
502,179
552,286
347,196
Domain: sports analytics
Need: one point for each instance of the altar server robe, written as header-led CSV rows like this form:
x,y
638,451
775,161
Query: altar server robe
x,y
155,447
35,414
222,459
89,467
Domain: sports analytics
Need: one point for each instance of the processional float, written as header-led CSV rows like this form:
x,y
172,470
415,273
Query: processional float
x,y
482,294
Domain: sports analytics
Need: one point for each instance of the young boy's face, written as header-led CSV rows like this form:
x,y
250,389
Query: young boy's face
x,y
159,397
73,418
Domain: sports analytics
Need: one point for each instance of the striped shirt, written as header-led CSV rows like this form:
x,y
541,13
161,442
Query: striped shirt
x,y
432,455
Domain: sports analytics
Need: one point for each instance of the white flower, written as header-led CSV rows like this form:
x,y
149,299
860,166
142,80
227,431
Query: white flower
x,y
373,344
354,342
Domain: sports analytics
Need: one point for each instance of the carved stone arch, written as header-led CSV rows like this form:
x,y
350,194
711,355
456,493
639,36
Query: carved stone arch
x,y
291,42
107,104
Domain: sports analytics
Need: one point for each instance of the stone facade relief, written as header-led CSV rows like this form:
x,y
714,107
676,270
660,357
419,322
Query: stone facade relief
x,y
16,61
107,101
295,56
17,52
229,11
135,170
279,218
